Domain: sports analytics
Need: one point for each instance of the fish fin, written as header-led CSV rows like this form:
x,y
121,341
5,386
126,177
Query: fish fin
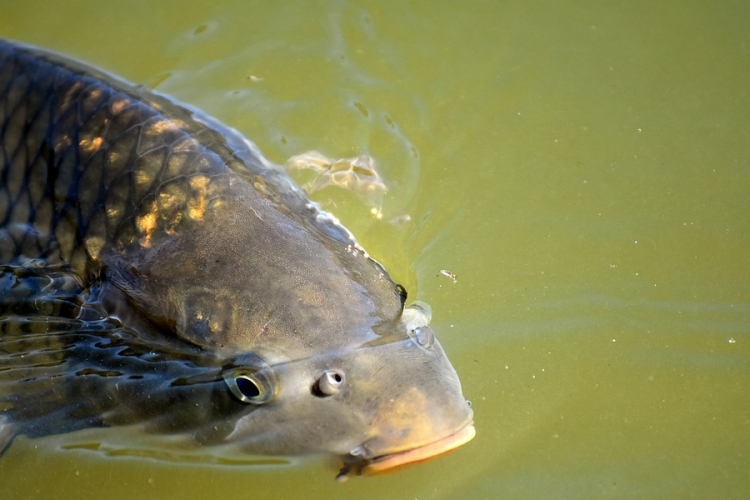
x,y
7,433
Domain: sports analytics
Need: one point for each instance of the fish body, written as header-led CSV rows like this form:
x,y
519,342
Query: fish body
x,y
232,309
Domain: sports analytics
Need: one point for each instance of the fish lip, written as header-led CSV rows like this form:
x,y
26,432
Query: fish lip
x,y
421,453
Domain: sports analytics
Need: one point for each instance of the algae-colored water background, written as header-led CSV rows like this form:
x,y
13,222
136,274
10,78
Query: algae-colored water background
x,y
583,167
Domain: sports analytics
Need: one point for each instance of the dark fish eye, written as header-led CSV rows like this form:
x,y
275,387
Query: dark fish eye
x,y
423,336
328,384
247,387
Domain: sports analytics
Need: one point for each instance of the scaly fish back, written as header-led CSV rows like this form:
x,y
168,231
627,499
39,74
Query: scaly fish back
x,y
89,162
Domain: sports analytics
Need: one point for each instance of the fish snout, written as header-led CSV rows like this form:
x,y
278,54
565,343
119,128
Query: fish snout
x,y
412,428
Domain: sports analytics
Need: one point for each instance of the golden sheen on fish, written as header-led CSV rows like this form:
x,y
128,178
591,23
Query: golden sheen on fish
x,y
187,287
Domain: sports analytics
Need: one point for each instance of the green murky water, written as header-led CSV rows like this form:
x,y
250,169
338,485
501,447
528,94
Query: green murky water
x,y
582,167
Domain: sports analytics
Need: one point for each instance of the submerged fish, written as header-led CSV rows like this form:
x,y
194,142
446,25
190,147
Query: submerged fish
x,y
228,309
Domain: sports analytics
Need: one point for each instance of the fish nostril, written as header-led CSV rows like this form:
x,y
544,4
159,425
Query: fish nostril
x,y
328,384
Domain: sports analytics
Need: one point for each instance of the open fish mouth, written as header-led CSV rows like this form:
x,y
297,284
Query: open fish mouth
x,y
415,455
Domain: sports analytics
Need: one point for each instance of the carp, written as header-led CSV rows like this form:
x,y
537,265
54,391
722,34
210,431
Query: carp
x,y
189,288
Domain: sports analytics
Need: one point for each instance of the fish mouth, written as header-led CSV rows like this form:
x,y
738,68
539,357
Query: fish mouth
x,y
414,455
421,453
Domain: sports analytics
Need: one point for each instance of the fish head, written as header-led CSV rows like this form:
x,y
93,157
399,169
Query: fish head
x,y
322,356
385,403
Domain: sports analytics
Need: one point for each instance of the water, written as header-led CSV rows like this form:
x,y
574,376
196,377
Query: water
x,y
582,168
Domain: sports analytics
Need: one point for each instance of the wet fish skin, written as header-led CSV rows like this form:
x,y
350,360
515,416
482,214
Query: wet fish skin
x,y
113,176
181,229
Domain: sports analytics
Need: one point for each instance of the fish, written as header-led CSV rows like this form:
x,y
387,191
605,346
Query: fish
x,y
187,287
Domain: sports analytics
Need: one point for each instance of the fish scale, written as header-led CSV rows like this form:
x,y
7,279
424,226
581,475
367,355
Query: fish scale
x,y
84,137
77,149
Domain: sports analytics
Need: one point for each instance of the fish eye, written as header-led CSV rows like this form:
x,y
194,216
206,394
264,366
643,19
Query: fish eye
x,y
423,336
328,384
247,387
